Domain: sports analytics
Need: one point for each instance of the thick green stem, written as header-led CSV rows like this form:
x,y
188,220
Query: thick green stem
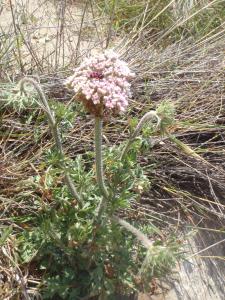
x,y
98,157
99,168
149,116
55,132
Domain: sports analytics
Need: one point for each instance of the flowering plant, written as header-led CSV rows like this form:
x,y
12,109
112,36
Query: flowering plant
x,y
95,251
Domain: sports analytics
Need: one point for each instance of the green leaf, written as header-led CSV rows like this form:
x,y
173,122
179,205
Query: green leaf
x,y
5,234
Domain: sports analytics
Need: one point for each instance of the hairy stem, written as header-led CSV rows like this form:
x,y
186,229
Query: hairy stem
x,y
98,157
149,116
55,132
138,234
144,264
99,168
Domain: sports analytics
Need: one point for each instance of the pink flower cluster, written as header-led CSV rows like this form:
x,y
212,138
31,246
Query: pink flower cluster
x,y
103,81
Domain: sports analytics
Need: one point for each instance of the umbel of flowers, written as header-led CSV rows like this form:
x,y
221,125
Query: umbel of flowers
x,y
102,84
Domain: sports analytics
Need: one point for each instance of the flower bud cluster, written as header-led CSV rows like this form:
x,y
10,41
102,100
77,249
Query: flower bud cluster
x,y
102,83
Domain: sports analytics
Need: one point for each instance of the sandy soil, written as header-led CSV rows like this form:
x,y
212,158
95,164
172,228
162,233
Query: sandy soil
x,y
51,34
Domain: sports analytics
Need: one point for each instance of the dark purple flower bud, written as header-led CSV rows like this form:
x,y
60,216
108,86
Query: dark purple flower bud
x,y
97,75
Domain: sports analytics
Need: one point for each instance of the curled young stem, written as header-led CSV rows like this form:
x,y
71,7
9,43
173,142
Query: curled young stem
x,y
138,234
55,132
44,103
149,116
